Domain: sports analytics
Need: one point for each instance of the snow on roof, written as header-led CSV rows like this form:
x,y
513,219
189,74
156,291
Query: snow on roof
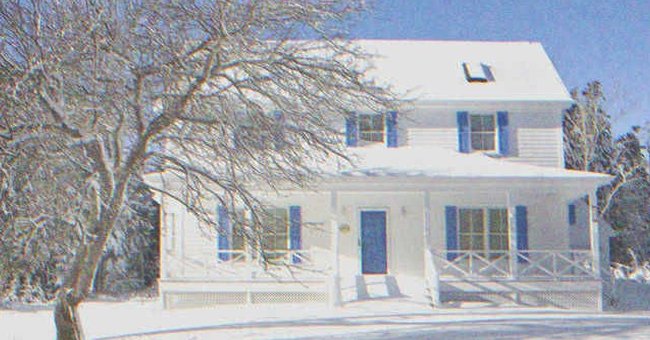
x,y
435,162
433,70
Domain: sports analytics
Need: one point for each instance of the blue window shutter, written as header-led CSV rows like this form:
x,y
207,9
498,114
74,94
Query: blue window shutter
x,y
224,233
351,130
451,222
502,122
463,131
572,214
295,232
391,129
521,220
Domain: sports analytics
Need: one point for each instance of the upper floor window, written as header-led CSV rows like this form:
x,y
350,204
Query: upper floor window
x,y
483,132
371,127
364,128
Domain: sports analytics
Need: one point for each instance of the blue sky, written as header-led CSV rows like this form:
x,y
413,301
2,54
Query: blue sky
x,y
607,41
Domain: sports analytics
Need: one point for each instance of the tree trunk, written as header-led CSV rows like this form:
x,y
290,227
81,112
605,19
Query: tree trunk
x,y
66,318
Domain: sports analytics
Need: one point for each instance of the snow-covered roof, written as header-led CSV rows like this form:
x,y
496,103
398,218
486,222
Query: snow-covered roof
x,y
436,162
433,70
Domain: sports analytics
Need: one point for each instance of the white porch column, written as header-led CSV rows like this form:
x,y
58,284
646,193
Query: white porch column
x,y
594,232
335,284
432,281
512,236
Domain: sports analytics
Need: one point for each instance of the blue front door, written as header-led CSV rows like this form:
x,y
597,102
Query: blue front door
x,y
373,242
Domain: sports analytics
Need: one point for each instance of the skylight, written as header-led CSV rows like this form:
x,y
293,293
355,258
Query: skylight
x,y
477,72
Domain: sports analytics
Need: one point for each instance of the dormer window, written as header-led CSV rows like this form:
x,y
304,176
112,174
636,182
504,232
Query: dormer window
x,y
477,72
371,128
483,132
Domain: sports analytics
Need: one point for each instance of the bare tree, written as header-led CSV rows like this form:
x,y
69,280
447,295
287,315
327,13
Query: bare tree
x,y
97,93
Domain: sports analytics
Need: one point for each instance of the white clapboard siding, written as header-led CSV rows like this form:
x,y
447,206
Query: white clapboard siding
x,y
540,147
444,138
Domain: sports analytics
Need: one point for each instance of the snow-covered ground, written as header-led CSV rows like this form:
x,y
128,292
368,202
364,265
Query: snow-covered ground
x,y
367,320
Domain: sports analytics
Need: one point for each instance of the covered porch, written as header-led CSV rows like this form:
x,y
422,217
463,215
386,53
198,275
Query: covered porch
x,y
378,230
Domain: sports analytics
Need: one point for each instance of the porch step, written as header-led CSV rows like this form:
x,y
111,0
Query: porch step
x,y
376,286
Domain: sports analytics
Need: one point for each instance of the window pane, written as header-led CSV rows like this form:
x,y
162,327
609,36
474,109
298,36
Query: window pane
x,y
476,123
465,220
488,141
464,242
477,142
275,229
488,123
477,220
498,242
477,242
498,220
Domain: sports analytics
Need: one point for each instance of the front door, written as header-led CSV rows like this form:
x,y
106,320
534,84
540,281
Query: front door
x,y
373,242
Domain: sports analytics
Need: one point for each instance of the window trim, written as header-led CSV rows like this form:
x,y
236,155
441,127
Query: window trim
x,y
495,131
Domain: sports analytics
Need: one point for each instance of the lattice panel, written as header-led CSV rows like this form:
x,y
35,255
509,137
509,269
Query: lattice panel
x,y
287,297
567,300
193,300
562,299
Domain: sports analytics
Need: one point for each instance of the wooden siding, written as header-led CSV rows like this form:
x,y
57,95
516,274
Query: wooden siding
x,y
539,147
444,138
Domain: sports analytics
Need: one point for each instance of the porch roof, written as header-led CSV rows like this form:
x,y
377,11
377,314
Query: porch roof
x,y
436,162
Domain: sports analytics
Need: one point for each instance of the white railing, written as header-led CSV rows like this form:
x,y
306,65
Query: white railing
x,y
274,263
529,264
558,264
472,264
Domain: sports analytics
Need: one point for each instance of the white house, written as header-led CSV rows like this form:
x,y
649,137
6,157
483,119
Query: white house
x,y
466,198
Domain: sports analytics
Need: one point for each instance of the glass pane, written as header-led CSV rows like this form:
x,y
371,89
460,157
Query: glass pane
x,y
465,220
477,142
488,141
464,242
378,122
477,221
275,229
498,242
498,221
488,123
477,242
476,123
237,240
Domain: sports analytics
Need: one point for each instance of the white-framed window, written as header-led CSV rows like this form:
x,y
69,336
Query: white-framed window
x,y
483,132
483,229
274,230
371,128
275,224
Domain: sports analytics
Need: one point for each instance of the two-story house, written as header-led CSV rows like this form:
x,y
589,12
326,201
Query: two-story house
x,y
460,195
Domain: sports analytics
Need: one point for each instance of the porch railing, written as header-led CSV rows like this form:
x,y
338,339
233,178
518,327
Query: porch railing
x,y
528,264
277,263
